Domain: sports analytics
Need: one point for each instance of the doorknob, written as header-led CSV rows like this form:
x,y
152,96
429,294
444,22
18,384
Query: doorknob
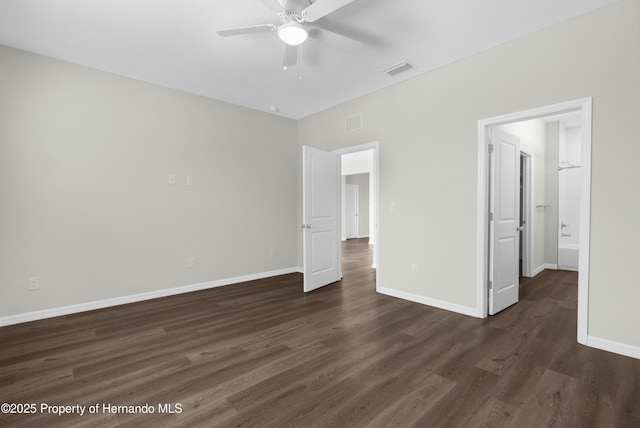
x,y
520,229
306,226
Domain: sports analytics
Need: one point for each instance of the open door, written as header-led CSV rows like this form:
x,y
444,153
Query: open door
x,y
504,220
321,216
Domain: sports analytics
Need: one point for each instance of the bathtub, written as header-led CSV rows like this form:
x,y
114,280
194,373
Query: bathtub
x,y
568,257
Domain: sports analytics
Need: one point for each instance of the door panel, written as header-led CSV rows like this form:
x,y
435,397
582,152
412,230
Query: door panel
x,y
504,228
322,244
321,216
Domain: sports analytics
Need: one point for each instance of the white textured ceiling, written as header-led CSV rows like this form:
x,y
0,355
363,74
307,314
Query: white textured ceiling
x,y
174,42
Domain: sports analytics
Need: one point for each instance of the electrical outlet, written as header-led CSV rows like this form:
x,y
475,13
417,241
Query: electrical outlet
x,y
190,180
191,263
34,283
393,207
272,254
171,179
414,269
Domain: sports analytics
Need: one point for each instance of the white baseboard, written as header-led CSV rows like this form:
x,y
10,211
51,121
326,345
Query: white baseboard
x,y
362,236
537,270
100,304
300,269
543,267
615,347
453,307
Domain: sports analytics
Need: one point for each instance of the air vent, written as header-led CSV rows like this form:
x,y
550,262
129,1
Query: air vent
x,y
398,68
353,123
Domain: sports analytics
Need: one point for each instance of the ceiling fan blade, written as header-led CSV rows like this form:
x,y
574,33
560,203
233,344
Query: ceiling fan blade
x,y
323,8
247,30
290,56
274,5
335,39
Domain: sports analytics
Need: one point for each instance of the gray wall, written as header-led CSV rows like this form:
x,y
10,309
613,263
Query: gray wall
x,y
362,181
428,126
85,205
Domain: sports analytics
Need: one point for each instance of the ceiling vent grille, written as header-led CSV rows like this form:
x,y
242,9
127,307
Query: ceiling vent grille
x,y
353,123
398,68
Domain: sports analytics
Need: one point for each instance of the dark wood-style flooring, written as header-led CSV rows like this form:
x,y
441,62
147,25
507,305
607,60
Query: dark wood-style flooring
x,y
264,354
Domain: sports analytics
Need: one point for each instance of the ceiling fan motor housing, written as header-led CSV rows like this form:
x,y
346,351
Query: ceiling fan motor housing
x,y
292,16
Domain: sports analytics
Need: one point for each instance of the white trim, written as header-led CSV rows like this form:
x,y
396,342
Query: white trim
x,y
375,146
585,224
537,270
441,304
299,269
542,267
363,236
123,300
615,347
584,106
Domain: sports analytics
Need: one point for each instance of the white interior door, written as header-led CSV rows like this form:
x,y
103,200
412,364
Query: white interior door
x,y
504,227
321,216
351,210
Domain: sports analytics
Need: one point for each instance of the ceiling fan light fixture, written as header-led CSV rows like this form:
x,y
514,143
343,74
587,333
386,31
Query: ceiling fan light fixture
x,y
292,33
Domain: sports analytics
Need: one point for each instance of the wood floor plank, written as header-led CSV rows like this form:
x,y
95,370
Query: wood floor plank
x,y
627,405
552,403
265,354
461,404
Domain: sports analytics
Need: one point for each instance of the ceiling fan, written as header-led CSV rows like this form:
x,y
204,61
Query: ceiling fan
x,y
293,29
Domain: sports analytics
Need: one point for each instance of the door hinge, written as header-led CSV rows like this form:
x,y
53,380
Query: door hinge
x,y
490,216
490,285
490,148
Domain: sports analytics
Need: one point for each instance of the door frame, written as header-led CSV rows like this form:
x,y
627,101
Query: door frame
x,y
527,214
584,106
375,192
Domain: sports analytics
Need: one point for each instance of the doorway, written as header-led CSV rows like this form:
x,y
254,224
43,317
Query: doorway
x,y
322,201
485,263
359,166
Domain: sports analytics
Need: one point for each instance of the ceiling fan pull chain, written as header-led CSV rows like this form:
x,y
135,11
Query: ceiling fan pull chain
x,y
300,63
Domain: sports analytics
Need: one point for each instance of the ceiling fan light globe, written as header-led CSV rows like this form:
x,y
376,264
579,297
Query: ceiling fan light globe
x,y
292,33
